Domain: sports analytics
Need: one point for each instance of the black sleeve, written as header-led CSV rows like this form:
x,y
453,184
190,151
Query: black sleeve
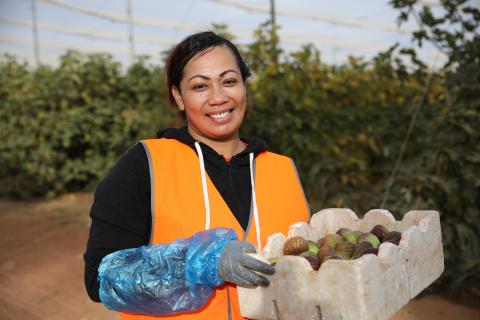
x,y
121,213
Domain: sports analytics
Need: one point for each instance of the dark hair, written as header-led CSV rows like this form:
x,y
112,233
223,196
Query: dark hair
x,y
187,49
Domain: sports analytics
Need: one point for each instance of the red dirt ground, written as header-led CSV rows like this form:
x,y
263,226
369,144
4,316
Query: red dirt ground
x,y
41,266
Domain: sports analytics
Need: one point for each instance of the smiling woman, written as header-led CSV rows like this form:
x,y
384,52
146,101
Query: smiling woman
x,y
212,94
207,82
166,219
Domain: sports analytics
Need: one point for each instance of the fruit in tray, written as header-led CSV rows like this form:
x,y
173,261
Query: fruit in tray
x,y
294,246
345,244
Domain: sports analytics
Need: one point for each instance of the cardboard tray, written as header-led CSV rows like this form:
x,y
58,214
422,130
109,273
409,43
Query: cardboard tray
x,y
368,288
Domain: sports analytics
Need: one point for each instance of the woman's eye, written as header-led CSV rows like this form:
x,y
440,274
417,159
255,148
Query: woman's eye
x,y
199,86
230,82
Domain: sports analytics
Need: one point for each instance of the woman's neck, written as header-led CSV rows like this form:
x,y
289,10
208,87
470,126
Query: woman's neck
x,y
227,148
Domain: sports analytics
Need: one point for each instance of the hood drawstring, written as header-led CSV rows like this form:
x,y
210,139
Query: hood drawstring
x,y
254,202
204,186
207,202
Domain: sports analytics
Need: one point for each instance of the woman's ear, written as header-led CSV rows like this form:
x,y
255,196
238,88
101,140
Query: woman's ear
x,y
178,98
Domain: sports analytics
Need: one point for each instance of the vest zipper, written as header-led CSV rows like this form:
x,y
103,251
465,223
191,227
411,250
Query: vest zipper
x,y
239,202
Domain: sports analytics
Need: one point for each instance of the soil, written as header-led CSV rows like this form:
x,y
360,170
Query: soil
x,y
41,266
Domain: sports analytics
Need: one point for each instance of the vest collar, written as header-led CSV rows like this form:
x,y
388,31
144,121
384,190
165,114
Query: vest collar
x,y
255,145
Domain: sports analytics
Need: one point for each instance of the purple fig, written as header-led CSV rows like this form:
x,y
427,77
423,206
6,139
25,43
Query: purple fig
x,y
379,231
371,251
393,237
314,262
360,249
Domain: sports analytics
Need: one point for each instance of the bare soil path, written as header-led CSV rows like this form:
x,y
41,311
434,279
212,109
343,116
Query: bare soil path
x,y
41,266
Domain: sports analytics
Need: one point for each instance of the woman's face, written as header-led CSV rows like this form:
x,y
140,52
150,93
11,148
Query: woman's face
x,y
213,95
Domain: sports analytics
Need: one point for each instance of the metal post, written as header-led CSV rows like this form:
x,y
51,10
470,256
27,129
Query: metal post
x,y
33,6
273,31
130,31
272,12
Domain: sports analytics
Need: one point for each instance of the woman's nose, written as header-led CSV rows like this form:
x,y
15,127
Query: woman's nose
x,y
217,96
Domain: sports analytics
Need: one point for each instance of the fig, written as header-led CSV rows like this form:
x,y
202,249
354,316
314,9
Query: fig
x,y
344,249
352,236
295,245
360,249
343,255
314,262
369,237
393,237
330,240
380,231
312,246
324,252
342,231
371,251
319,243
331,256
308,253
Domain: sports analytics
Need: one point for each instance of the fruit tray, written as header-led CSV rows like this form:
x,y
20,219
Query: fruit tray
x,y
370,287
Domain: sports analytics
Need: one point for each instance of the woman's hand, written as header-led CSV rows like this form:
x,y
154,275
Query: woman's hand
x,y
238,267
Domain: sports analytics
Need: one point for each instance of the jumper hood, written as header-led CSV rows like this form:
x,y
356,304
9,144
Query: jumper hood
x,y
254,144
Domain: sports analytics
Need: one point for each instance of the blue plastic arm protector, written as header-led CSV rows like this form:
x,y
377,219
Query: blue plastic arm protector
x,y
164,279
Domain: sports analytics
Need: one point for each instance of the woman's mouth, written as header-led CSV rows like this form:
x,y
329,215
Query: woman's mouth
x,y
221,117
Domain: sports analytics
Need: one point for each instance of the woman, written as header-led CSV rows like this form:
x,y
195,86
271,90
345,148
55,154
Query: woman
x,y
166,219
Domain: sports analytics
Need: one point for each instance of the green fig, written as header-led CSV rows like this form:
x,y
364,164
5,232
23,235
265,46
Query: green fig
x,y
393,237
343,255
352,236
314,262
380,231
360,249
342,231
312,246
330,240
344,249
370,237
308,253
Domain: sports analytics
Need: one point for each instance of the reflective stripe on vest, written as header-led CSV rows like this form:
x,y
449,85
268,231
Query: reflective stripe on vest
x,y
178,209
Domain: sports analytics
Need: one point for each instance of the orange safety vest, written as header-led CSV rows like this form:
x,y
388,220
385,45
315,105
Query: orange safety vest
x,y
178,209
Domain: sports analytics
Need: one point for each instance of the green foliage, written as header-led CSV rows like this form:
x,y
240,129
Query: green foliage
x,y
449,157
342,125
62,128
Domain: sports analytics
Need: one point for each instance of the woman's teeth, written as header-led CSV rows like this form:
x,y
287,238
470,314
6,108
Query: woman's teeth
x,y
220,115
